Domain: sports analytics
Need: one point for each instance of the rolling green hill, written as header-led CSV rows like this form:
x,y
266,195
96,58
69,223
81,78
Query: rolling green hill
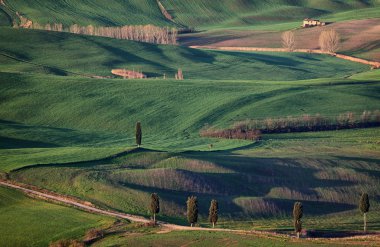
x,y
205,14
64,54
199,13
67,124
41,113
90,12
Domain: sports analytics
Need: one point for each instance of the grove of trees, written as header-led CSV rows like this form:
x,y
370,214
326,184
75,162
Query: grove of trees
x,y
143,33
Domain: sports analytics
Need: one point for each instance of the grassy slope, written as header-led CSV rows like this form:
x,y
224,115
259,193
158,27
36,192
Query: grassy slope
x,y
209,14
93,55
55,112
28,222
326,171
86,12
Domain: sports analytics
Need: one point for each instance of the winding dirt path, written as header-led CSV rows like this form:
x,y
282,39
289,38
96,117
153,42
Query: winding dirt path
x,y
86,206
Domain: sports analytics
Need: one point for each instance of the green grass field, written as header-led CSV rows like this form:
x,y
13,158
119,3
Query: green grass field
x,y
262,15
198,239
73,116
30,222
200,14
326,171
98,13
64,54
60,130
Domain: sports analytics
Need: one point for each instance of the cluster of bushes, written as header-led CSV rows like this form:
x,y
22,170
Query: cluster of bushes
x,y
142,33
252,129
234,133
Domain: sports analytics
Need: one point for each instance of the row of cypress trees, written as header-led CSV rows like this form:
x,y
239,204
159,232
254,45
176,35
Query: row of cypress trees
x,y
192,211
192,203
298,213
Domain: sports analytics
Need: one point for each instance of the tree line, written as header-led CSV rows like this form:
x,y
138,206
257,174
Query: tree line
x,y
142,33
252,129
193,211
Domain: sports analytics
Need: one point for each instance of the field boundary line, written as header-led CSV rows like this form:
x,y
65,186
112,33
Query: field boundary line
x,y
266,49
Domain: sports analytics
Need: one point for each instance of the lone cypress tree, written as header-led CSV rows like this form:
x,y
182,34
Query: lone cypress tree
x,y
138,134
192,210
213,212
154,206
297,215
364,208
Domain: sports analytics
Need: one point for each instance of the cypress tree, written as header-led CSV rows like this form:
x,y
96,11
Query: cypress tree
x,y
364,208
213,212
154,206
192,210
297,215
138,134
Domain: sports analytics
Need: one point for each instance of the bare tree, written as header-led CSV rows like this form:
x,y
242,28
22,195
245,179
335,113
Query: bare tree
x,y
288,41
329,40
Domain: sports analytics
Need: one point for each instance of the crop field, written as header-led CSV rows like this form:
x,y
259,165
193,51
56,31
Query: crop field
x,y
64,54
98,13
67,124
256,14
72,117
30,222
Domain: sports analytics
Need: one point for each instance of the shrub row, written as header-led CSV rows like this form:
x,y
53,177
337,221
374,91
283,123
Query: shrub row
x,y
252,129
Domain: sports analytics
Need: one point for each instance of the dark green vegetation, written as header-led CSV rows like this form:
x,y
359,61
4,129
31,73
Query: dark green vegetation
x,y
297,215
192,210
66,54
364,208
154,205
30,222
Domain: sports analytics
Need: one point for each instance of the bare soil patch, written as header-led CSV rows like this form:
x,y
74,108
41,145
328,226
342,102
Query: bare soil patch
x,y
360,37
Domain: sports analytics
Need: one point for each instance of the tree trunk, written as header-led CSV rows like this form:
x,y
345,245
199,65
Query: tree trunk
x,y
213,224
365,222
298,234
191,224
154,218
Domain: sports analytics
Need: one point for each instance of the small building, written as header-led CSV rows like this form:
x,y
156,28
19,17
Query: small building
x,y
312,23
